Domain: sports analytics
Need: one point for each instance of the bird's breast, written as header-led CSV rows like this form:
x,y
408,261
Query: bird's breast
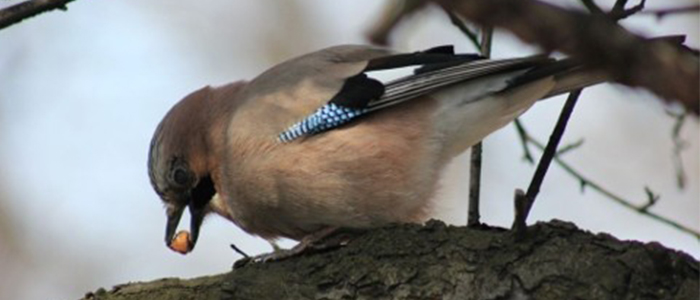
x,y
382,169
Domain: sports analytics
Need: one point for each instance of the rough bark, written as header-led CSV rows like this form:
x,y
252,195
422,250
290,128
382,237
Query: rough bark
x,y
659,65
669,71
555,261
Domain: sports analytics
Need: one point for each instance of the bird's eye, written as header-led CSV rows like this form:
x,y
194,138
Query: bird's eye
x,y
181,177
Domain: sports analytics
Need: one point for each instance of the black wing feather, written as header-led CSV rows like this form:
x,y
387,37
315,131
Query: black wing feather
x,y
359,90
437,55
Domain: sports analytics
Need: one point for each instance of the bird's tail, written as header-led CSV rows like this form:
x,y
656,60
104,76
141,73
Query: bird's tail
x,y
575,79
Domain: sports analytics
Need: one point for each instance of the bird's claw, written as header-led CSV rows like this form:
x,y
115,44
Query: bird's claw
x,y
312,244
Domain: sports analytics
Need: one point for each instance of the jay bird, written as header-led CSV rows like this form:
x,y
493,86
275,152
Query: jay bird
x,y
315,143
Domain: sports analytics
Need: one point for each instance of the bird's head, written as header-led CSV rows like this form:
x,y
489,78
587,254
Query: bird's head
x,y
183,157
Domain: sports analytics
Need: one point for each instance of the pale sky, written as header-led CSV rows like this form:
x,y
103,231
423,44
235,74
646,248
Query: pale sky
x,y
82,91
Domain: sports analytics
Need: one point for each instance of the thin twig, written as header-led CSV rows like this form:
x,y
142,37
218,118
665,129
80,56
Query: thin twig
x,y
475,166
619,5
486,40
457,22
521,211
678,146
619,12
585,182
233,246
592,7
527,155
624,202
569,147
27,9
660,13
652,198
552,145
473,217
549,154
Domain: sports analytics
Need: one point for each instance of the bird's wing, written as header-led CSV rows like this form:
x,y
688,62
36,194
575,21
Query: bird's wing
x,y
361,94
422,83
293,90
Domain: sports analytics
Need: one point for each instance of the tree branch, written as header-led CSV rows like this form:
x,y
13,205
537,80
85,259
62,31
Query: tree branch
x,y
550,152
27,9
435,261
679,144
476,155
473,37
522,135
660,13
662,67
586,182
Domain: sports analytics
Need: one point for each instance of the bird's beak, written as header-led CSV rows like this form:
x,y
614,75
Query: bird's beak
x,y
196,218
174,214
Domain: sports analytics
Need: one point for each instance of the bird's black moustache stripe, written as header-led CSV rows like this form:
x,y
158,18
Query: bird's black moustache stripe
x,y
202,193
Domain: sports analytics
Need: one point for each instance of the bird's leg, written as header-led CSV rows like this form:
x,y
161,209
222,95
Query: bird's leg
x,y
275,247
306,243
316,241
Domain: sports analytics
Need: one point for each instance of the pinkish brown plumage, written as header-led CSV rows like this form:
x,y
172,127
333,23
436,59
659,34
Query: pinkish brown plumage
x,y
218,149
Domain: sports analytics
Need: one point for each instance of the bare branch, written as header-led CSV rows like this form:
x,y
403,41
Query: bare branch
x,y
550,152
457,22
679,144
27,9
592,7
569,147
527,155
586,182
475,166
662,67
652,198
660,13
619,11
474,185
239,251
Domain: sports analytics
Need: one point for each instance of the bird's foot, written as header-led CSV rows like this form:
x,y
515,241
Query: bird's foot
x,y
323,240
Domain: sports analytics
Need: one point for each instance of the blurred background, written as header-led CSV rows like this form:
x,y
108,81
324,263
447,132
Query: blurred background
x,y
82,91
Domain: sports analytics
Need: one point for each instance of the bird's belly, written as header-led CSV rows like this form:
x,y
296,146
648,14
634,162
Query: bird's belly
x,y
367,174
302,202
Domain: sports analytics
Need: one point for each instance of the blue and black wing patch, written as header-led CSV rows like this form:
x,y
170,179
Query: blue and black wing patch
x,y
327,117
350,103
